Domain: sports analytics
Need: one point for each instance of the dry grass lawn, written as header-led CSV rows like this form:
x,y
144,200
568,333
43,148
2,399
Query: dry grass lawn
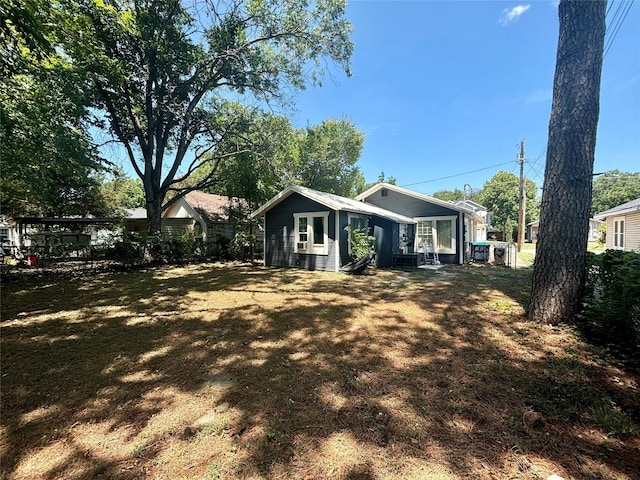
x,y
239,372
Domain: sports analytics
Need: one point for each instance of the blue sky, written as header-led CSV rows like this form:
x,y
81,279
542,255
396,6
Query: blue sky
x,y
441,88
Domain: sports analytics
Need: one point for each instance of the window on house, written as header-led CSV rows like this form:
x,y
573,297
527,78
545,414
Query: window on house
x,y
360,222
4,236
618,232
311,233
438,232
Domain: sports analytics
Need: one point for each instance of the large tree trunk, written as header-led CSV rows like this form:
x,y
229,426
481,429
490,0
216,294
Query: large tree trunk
x,y
559,268
154,216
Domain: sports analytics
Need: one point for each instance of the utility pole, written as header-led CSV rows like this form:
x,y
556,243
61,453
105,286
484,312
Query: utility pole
x,y
521,208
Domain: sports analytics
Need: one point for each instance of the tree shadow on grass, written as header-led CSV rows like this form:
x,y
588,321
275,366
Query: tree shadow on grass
x,y
303,375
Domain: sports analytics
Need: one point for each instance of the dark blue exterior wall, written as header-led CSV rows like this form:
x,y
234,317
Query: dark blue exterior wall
x,y
386,234
414,208
279,230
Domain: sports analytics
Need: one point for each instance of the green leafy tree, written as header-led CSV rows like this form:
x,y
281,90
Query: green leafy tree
x,y
382,178
500,195
50,166
24,28
449,195
559,269
456,195
322,157
327,159
614,188
163,72
122,192
258,174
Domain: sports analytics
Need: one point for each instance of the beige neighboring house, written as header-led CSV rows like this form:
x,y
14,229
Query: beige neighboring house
x,y
204,214
594,226
623,226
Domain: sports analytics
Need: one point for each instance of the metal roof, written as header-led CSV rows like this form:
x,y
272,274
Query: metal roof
x,y
335,202
419,196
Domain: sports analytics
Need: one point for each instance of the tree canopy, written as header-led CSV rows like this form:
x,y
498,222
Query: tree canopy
x,y
322,157
327,158
164,74
500,195
614,188
50,164
121,192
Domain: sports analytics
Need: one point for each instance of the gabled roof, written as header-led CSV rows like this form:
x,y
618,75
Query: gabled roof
x,y
629,207
334,202
213,208
475,206
419,196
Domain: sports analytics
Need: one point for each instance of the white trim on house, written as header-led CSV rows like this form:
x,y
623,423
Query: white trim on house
x,y
434,222
619,232
334,202
420,196
309,246
629,207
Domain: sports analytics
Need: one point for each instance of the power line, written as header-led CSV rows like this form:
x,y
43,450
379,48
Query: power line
x,y
456,175
616,22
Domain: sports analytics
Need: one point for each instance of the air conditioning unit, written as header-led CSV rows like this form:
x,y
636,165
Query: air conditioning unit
x,y
302,246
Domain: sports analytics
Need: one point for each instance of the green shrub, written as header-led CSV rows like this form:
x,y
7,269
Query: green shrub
x,y
611,304
242,246
360,241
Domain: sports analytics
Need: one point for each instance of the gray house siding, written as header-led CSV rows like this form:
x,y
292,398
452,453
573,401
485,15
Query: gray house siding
x,y
415,208
280,232
408,206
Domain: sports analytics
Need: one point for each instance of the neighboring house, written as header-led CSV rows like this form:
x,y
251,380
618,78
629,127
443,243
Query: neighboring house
x,y
204,214
533,227
306,228
623,226
8,234
482,229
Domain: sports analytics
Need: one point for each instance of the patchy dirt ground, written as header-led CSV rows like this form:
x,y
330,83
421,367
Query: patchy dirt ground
x,y
238,372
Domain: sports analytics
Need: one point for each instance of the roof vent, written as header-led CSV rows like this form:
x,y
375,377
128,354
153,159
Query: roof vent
x,y
384,192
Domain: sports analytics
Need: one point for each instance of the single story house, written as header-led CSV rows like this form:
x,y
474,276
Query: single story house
x,y
305,228
623,226
447,227
531,235
204,214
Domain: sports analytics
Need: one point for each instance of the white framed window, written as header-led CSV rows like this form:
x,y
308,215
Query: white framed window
x,y
311,233
618,232
4,236
437,232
